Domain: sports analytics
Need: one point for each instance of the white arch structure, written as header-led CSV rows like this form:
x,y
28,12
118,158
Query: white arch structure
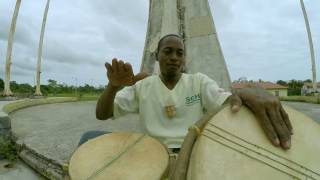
x,y
7,91
313,62
43,27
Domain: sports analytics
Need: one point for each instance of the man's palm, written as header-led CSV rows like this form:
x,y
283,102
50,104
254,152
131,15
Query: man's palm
x,y
121,74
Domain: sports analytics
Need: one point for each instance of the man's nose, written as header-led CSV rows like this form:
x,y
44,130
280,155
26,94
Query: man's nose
x,y
174,57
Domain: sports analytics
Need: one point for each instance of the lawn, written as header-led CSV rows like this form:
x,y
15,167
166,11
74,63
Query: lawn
x,y
81,97
308,99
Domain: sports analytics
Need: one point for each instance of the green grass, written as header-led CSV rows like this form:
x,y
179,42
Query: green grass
x,y
307,99
81,97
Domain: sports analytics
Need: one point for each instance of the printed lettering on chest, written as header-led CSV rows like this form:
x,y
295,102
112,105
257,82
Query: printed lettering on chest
x,y
191,100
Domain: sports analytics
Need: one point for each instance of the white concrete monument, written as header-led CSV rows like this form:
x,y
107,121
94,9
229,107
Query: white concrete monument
x,y
193,21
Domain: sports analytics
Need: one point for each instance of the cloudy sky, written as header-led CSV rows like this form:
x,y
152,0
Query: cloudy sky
x,y
262,39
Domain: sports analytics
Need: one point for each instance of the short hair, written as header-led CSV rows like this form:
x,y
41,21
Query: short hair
x,y
168,35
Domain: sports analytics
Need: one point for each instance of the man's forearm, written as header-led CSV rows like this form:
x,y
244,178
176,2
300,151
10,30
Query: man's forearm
x,y
104,108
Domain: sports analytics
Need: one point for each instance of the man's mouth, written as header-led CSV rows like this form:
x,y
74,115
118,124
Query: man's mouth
x,y
173,66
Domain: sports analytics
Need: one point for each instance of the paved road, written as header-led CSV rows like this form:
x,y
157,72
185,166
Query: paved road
x,y
19,171
54,130
311,110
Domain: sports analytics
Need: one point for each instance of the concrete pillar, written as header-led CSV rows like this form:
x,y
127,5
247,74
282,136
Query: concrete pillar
x,y
193,21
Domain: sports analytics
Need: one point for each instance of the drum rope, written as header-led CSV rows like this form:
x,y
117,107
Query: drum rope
x,y
207,133
263,150
115,158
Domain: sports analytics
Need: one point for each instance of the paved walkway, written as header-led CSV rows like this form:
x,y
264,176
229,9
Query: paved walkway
x,y
311,110
20,171
54,130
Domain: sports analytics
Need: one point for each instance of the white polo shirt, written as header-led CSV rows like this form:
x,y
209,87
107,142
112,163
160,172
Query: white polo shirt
x,y
193,95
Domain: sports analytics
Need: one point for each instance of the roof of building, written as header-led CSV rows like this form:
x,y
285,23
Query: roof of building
x,y
264,85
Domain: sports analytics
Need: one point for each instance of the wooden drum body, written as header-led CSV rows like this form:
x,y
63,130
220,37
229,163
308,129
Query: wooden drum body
x,y
119,156
234,146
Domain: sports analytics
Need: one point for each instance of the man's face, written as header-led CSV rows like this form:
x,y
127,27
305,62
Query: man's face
x,y
171,56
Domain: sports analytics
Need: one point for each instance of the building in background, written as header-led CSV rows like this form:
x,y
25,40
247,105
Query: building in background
x,y
275,89
307,89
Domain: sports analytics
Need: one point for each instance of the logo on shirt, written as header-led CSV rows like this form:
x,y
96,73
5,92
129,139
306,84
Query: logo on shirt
x,y
193,99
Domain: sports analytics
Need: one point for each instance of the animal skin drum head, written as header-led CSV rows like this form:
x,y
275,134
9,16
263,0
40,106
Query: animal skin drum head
x,y
234,146
119,156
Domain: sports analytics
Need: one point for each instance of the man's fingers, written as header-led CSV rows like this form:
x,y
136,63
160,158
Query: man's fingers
x,y
108,67
268,128
281,129
121,66
115,65
285,117
235,102
287,143
127,67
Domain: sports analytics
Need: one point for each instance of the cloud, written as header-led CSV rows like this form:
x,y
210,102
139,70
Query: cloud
x,y
265,39
260,39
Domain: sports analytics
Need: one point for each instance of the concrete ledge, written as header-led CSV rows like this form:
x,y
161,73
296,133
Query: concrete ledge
x,y
33,102
5,128
47,167
42,165
4,121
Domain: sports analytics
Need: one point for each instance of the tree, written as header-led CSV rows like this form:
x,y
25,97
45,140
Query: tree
x,y
307,81
294,87
1,84
52,83
281,82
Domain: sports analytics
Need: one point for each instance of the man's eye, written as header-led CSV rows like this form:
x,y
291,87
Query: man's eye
x,y
167,51
179,53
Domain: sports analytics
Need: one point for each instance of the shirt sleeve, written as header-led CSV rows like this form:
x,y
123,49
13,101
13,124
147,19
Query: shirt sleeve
x,y
126,101
212,95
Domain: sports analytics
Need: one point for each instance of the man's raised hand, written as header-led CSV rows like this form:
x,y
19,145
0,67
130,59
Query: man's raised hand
x,y
120,74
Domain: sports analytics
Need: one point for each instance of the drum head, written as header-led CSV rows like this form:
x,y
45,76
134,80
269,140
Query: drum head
x,y
234,146
119,156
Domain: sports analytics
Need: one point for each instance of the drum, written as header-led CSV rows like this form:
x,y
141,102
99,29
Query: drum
x,y
234,146
119,156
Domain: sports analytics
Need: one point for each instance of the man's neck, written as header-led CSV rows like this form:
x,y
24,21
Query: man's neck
x,y
170,81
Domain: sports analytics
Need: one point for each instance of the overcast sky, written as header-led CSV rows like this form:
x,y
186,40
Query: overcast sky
x,y
262,39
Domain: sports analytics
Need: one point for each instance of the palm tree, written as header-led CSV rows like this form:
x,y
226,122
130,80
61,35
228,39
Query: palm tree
x,y
7,91
38,91
313,63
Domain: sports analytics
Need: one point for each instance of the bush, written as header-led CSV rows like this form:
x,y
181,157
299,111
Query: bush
x,y
8,149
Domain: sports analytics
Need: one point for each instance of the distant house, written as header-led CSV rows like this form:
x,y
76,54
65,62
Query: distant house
x,y
275,89
307,88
